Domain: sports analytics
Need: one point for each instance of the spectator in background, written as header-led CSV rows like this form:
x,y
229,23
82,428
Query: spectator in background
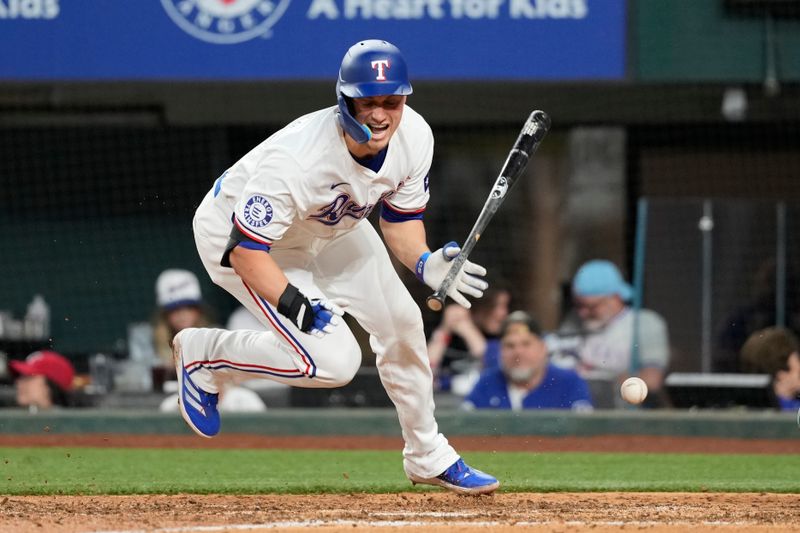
x,y
180,303
602,327
756,313
526,379
467,340
43,380
775,351
180,306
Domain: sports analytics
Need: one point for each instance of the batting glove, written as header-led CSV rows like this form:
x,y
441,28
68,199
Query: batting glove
x,y
432,267
316,316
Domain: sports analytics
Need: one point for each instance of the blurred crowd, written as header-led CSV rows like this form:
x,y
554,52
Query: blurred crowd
x,y
498,359
491,356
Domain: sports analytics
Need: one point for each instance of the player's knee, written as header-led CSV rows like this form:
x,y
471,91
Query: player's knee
x,y
343,366
341,376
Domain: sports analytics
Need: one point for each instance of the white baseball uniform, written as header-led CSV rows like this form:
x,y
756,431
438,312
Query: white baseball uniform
x,y
302,197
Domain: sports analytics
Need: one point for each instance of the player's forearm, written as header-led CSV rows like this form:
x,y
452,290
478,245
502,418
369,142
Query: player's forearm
x,y
406,240
260,272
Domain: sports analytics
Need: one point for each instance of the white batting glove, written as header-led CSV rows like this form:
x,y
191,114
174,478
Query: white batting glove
x,y
432,267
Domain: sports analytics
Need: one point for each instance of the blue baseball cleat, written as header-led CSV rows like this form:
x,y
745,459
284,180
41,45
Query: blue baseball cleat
x,y
198,408
463,479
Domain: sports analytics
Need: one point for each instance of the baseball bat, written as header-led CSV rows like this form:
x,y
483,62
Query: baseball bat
x,y
534,130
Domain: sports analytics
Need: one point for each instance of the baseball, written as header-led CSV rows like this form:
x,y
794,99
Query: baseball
x,y
633,390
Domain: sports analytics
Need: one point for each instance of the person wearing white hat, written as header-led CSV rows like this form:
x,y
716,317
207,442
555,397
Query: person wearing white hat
x,y
180,306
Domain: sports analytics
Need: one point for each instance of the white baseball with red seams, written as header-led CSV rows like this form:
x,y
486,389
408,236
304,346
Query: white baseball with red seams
x,y
633,390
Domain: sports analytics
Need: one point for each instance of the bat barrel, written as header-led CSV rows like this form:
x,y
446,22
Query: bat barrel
x,y
533,132
541,118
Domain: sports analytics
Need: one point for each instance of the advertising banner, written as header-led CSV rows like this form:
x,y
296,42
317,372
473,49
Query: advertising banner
x,y
306,39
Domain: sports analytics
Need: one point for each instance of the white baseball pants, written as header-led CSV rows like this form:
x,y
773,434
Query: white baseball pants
x,y
356,268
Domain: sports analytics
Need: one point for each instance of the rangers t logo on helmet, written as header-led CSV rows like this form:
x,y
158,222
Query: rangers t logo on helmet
x,y
369,68
379,66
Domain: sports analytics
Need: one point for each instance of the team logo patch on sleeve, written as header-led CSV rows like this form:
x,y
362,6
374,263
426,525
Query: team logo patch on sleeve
x,y
257,211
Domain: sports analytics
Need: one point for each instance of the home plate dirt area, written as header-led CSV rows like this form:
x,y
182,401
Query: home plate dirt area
x,y
435,512
430,511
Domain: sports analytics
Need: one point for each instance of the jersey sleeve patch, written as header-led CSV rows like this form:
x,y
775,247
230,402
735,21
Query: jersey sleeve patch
x,y
257,211
390,213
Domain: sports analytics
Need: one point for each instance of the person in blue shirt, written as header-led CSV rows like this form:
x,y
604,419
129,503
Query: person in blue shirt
x,y
467,341
775,351
526,379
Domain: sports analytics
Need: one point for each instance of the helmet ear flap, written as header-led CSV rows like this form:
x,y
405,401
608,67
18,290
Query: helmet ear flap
x,y
359,132
351,108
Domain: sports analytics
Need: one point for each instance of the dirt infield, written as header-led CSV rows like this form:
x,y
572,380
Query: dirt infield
x,y
437,511
410,512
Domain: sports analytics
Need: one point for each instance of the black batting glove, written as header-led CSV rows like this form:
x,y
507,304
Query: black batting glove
x,y
316,316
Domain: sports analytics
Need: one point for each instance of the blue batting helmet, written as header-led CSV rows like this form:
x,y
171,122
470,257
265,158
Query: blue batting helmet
x,y
369,68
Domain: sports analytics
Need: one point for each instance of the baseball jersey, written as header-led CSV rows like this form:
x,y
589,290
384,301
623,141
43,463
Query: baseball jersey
x,y
560,389
302,183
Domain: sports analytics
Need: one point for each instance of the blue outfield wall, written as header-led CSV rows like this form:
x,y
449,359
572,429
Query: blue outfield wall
x,y
721,424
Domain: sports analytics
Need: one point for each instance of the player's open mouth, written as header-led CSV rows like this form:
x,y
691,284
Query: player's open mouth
x,y
378,129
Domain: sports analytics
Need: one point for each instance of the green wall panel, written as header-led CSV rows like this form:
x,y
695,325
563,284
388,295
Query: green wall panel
x,y
697,40
97,275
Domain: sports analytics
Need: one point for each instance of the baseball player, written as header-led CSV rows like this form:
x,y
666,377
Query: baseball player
x,y
284,230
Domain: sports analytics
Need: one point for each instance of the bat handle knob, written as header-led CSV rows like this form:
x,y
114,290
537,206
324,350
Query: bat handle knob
x,y
435,302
